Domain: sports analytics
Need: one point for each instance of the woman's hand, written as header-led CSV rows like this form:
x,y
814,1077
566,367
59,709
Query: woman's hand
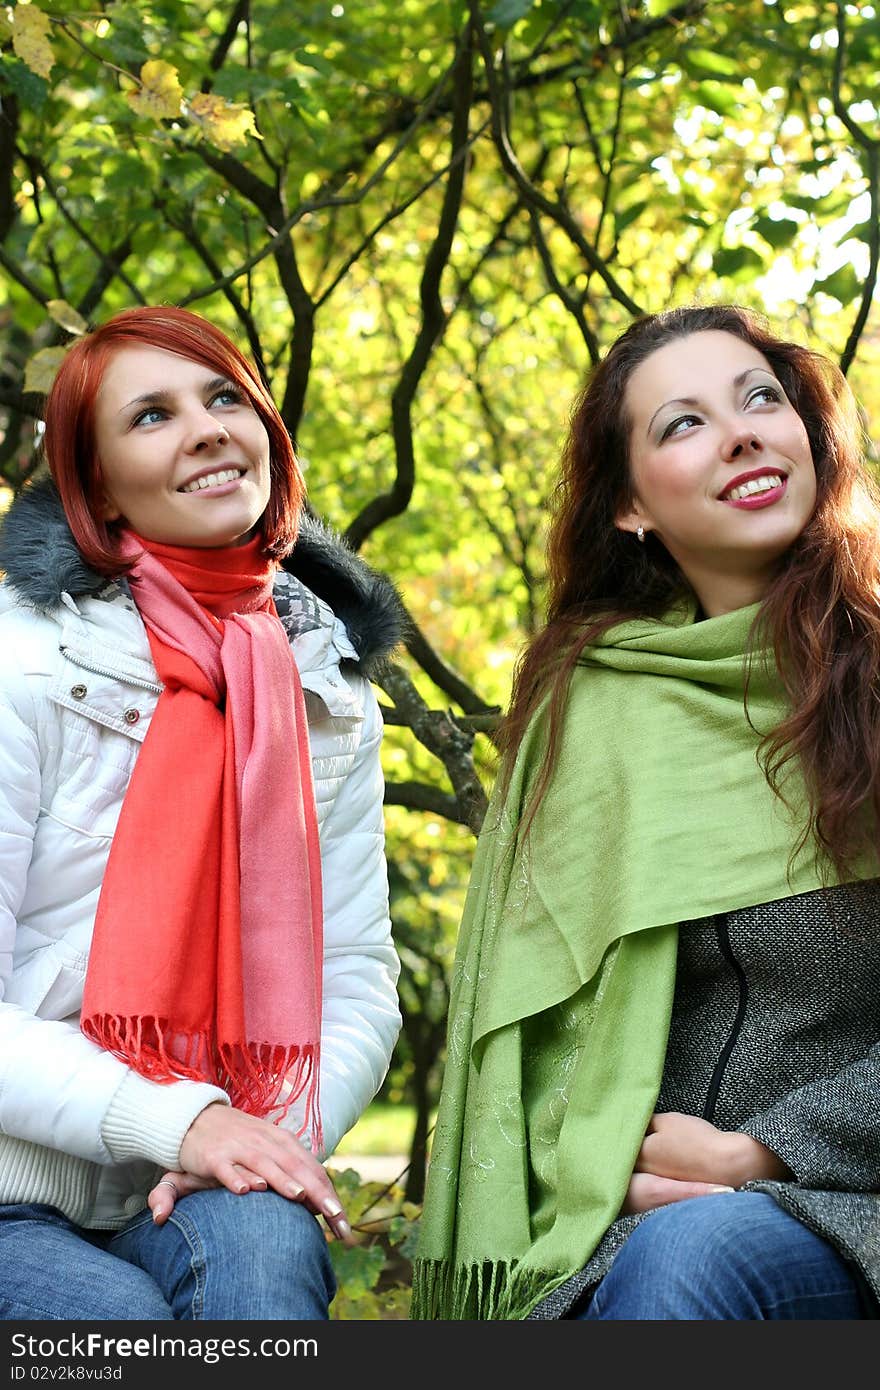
x,y
647,1191
170,1188
691,1149
224,1147
684,1156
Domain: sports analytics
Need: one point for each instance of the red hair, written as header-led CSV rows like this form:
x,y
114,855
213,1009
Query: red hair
x,y
69,439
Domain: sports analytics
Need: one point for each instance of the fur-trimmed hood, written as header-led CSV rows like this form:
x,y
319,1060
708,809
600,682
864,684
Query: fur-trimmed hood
x,y
41,561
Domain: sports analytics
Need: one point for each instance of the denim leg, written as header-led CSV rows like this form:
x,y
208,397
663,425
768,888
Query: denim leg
x,y
223,1256
734,1256
51,1269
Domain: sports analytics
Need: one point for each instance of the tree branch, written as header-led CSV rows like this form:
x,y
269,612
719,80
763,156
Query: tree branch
x,y
8,138
81,232
441,735
241,11
433,322
871,148
187,230
108,268
532,196
14,269
417,796
311,205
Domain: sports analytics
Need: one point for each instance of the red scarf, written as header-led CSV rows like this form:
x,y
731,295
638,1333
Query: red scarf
x,y
207,951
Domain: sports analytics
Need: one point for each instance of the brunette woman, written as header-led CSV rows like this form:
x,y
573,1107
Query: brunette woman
x,y
662,1097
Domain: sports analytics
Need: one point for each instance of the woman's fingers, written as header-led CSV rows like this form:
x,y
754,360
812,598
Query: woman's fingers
x,y
168,1191
647,1191
238,1178
241,1151
314,1189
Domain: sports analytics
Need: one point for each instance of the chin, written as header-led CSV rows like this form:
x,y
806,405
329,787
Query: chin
x,y
226,539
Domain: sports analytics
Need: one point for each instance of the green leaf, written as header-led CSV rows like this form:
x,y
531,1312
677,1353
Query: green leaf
x,y
718,98
308,58
357,1267
863,42
623,219
125,41
68,317
703,60
40,370
777,232
843,285
238,85
31,90
824,207
731,260
506,12
123,172
862,231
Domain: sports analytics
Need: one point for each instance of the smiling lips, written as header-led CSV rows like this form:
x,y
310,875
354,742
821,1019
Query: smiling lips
x,y
751,490
218,478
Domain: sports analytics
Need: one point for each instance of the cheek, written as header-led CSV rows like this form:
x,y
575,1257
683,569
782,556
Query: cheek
x,y
666,479
807,451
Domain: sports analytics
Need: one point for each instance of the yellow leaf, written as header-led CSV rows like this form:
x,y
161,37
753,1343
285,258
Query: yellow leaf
x,y
30,38
67,316
224,123
39,373
160,94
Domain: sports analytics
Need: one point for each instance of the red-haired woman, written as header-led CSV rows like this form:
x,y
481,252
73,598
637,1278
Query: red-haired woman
x,y
662,1095
198,978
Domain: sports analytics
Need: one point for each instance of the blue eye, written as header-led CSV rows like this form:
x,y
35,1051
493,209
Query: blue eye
x,y
150,416
229,395
674,426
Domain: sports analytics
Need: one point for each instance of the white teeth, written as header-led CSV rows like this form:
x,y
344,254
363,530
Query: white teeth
x,y
226,475
764,484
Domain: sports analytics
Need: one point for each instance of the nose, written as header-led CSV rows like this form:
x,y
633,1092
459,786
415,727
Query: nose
x,y
742,443
207,432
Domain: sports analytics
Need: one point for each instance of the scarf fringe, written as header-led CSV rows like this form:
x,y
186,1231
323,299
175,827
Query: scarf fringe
x,y
490,1291
258,1077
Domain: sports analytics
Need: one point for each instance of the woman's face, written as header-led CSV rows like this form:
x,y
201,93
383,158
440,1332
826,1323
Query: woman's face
x,y
184,457
720,465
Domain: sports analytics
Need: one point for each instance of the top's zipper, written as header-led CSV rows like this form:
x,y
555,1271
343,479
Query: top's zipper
x,y
721,1064
105,671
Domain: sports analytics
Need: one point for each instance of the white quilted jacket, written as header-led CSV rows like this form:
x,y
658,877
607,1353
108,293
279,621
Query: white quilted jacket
x,y
78,1129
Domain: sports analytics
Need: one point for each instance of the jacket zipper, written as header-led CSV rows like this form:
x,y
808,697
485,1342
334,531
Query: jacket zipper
x,y
724,1058
105,671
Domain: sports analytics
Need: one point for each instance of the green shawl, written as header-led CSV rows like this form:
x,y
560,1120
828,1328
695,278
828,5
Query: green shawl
x,y
657,813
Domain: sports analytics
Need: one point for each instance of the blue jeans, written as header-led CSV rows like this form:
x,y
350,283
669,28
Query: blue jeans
x,y
219,1256
735,1256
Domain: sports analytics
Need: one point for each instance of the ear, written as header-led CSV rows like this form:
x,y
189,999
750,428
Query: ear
x,y
630,518
109,510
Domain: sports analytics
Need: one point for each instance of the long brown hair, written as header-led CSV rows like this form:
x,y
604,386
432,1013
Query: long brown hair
x,y
69,414
820,616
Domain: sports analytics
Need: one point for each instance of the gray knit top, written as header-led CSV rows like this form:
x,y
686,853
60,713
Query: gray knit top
x,y
776,1032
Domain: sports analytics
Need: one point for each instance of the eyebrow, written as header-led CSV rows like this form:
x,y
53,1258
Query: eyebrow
x,y
165,397
692,401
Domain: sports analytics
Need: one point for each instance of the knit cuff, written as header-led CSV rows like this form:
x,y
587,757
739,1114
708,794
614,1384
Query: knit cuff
x,y
794,1149
149,1120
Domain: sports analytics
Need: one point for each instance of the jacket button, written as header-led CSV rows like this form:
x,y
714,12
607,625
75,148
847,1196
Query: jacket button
x,y
78,692
132,716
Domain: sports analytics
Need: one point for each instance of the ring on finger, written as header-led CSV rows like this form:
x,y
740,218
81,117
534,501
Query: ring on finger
x,y
166,1182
